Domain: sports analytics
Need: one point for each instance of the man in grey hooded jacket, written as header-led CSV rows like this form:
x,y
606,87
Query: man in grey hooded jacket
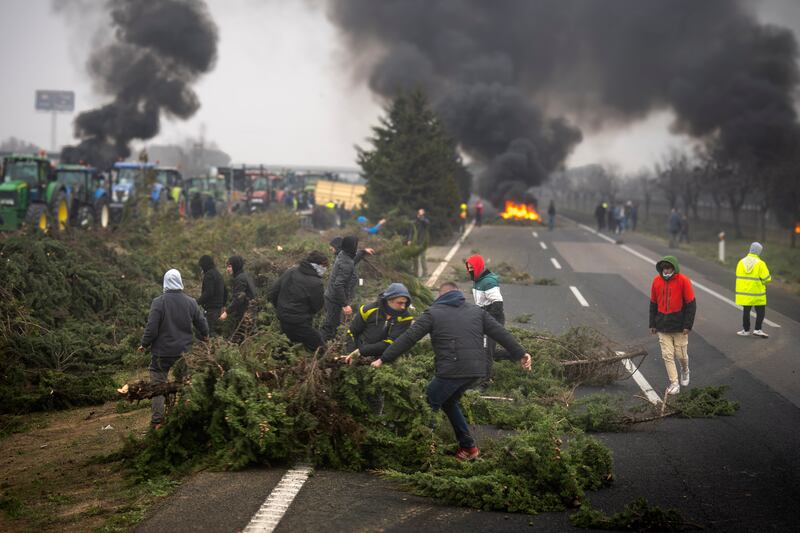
x,y
168,334
341,287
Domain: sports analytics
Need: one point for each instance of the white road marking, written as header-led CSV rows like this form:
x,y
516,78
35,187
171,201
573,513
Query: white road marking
x,y
543,245
555,263
453,251
535,234
579,296
700,286
638,377
601,235
274,507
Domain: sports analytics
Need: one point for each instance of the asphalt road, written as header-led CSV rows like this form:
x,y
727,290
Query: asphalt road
x,y
738,473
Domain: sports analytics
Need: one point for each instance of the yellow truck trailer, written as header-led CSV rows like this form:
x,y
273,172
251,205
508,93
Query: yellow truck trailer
x,y
339,191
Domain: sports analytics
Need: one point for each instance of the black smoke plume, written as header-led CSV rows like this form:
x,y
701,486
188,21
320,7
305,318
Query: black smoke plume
x,y
505,75
159,48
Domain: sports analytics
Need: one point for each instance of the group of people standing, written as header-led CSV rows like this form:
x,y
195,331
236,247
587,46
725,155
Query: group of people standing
x,y
616,217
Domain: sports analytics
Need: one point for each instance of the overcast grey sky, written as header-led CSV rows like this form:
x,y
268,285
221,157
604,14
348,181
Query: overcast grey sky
x,y
282,91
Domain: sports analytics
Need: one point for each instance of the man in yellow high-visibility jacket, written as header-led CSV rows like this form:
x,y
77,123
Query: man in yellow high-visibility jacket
x,y
752,276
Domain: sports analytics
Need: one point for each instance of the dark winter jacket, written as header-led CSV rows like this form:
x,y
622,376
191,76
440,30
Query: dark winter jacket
x,y
419,234
457,329
672,302
336,243
674,223
214,294
169,326
376,326
297,295
243,289
344,277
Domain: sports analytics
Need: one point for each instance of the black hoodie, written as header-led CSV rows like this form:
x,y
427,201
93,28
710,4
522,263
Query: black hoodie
x,y
214,294
243,289
297,295
344,277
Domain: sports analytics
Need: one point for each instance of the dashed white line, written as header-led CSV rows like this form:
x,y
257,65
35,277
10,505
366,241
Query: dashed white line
x,y
274,507
535,234
453,251
638,377
579,296
543,245
700,286
555,263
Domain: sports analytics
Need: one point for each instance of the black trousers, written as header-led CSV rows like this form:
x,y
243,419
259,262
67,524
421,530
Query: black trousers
x,y
761,310
304,334
333,319
212,317
495,311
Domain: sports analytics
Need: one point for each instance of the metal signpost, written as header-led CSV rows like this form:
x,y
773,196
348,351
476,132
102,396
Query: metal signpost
x,y
55,102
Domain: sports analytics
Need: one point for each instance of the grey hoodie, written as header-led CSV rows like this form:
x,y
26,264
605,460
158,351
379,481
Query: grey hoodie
x,y
169,325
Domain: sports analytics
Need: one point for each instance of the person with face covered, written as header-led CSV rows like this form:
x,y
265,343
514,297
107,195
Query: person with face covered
x,y
378,324
243,291
341,287
487,296
168,334
298,296
213,294
672,311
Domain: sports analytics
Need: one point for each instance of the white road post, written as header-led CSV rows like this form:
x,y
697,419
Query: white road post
x,y
721,246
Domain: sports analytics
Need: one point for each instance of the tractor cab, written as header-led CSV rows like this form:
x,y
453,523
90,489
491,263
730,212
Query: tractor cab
x,y
127,176
88,194
29,193
168,187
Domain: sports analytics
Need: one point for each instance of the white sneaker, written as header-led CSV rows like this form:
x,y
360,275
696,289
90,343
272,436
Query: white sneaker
x,y
743,333
685,377
760,333
673,388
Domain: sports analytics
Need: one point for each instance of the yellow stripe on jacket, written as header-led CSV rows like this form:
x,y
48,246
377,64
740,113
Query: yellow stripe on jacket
x,y
752,277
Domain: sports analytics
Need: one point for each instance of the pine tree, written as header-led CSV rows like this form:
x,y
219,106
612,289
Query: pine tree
x,y
413,164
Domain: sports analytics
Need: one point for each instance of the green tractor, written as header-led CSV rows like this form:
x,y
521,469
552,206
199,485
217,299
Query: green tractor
x,y
30,194
206,196
88,192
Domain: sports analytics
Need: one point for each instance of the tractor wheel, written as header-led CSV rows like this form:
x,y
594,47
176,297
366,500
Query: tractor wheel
x,y
38,217
61,212
102,215
85,218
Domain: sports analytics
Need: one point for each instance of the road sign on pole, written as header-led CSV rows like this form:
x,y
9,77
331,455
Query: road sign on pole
x,y
55,102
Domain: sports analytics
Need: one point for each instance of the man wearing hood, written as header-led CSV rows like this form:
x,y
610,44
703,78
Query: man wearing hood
x,y
456,329
341,287
752,277
243,291
297,296
377,325
672,311
168,334
213,294
486,292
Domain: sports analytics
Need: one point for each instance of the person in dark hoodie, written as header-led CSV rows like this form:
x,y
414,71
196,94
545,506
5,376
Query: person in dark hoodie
x,y
672,312
213,295
168,334
243,291
297,296
341,287
336,247
378,324
487,296
456,329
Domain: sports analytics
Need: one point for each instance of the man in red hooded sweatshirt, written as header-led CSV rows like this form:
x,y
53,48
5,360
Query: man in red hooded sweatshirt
x,y
487,296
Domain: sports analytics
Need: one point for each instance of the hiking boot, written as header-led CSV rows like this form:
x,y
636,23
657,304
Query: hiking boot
x,y
674,388
467,454
760,333
685,377
743,333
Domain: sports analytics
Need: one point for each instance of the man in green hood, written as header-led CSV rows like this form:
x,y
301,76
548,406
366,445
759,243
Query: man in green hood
x,y
672,312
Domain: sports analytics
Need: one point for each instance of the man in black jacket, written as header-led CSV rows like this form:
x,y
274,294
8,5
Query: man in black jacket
x,y
213,295
341,287
297,296
243,291
168,334
377,325
456,329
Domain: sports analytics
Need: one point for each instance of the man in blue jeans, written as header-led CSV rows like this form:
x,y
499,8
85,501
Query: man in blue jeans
x,y
456,328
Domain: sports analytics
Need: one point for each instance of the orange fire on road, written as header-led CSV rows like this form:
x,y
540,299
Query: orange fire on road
x,y
515,211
